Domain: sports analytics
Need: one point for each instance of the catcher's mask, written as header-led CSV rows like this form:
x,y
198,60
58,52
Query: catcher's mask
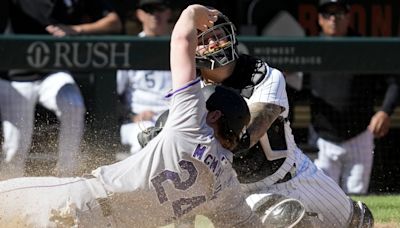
x,y
216,46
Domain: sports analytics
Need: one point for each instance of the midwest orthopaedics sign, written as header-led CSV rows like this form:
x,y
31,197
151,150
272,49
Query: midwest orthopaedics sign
x,y
40,54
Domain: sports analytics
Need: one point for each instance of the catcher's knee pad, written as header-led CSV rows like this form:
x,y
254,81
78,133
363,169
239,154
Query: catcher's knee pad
x,y
362,216
277,210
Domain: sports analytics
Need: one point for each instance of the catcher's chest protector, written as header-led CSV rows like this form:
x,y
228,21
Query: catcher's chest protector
x,y
254,166
248,73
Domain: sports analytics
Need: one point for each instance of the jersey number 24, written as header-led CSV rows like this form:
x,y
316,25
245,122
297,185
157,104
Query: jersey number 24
x,y
182,205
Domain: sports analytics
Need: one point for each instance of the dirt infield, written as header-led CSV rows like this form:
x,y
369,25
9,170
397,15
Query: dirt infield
x,y
97,149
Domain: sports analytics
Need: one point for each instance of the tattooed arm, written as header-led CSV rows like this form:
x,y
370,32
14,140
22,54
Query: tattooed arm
x,y
262,116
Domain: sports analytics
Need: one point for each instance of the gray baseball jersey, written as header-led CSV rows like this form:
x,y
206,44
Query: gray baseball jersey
x,y
181,172
316,191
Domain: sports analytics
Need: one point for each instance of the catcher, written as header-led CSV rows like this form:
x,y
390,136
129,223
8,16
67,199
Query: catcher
x,y
267,159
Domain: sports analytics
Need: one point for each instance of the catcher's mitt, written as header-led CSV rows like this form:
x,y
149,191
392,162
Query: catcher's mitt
x,y
148,134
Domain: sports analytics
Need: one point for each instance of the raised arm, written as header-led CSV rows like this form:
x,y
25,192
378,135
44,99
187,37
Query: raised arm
x,y
184,42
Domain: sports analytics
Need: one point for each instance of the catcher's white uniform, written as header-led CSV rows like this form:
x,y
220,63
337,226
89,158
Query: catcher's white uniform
x,y
308,184
183,171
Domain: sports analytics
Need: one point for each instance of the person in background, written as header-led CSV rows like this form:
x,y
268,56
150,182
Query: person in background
x,y
56,90
142,91
343,120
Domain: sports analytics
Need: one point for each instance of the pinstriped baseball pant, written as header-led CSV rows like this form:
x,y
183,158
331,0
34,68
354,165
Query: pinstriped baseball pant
x,y
348,163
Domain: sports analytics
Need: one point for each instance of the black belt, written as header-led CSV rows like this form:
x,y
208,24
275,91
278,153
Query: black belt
x,y
287,177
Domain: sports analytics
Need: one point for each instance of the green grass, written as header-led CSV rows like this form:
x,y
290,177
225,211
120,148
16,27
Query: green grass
x,y
385,208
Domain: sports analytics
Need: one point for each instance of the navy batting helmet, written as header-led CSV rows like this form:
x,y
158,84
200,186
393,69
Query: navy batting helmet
x,y
236,114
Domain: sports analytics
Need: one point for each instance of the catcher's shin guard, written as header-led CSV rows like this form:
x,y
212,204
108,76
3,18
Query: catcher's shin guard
x,y
277,210
362,216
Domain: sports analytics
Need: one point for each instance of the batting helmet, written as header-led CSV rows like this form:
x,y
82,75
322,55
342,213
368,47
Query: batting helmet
x,y
236,114
222,50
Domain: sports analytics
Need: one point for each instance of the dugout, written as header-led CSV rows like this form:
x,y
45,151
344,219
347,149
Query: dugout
x,y
93,61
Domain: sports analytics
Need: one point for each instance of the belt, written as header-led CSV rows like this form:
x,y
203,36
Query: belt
x,y
288,176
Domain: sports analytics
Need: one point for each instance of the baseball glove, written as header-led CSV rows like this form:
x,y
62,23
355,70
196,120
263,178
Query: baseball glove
x,y
147,135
